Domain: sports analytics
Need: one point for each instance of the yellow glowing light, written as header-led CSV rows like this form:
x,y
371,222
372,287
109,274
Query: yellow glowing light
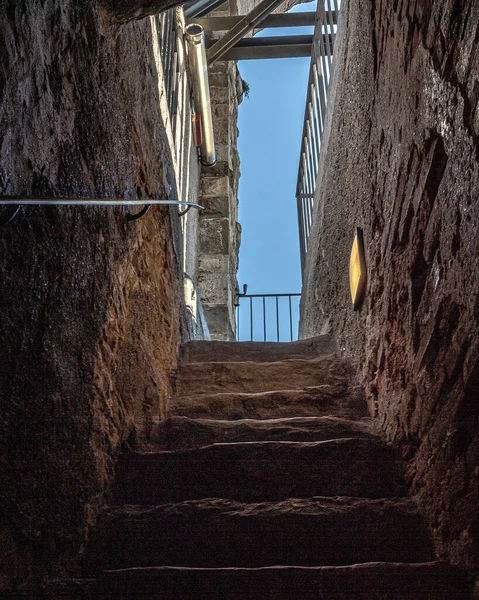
x,y
357,270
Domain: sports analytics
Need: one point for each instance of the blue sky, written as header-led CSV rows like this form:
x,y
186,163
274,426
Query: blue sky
x,y
270,124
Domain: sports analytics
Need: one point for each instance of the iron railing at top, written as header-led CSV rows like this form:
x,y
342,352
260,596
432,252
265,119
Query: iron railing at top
x,y
267,317
315,117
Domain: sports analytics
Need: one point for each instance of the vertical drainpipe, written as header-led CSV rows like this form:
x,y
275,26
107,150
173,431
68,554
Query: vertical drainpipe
x,y
195,37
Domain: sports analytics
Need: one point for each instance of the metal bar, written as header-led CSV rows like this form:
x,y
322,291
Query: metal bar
x,y
165,50
291,319
300,19
236,33
320,47
316,118
300,231
306,224
238,312
268,295
268,52
201,8
251,315
277,319
326,39
264,318
271,40
318,75
329,29
314,138
9,201
310,161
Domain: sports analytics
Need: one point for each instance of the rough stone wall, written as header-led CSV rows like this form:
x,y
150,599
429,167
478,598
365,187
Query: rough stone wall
x,y
401,161
89,303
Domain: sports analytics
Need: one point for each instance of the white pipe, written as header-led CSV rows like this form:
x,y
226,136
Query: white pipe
x,y
195,37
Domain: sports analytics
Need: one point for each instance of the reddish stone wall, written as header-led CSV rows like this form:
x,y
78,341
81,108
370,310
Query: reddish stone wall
x,y
89,322
401,161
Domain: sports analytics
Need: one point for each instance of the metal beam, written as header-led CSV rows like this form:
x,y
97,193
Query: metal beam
x,y
300,19
247,24
201,8
285,46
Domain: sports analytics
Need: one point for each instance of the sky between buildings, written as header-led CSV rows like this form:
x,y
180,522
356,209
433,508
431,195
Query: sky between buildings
x,y
271,124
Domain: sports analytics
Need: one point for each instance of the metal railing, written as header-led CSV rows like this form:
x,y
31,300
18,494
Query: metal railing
x,y
266,313
167,40
315,117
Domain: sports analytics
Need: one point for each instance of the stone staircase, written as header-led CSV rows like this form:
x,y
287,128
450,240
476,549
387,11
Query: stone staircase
x,y
266,483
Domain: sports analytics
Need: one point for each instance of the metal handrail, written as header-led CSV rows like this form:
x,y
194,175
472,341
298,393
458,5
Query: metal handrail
x,y
278,315
315,117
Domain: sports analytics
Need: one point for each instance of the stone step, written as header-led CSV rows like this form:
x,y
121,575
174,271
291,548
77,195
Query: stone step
x,y
260,472
255,377
206,351
318,401
183,433
222,533
369,581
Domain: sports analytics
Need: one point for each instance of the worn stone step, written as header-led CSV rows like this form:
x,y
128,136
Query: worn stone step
x,y
213,351
224,533
66,589
317,401
260,471
254,377
183,433
369,581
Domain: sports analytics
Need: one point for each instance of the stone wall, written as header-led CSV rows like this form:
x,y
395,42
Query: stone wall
x,y
219,230
400,159
89,303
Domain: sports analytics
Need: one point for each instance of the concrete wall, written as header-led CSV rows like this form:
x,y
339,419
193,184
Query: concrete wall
x,y
400,160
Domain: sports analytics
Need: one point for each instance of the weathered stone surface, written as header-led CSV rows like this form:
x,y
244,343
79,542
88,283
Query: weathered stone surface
x,y
183,433
84,357
260,471
401,161
214,236
252,377
311,402
220,233
374,581
222,533
216,351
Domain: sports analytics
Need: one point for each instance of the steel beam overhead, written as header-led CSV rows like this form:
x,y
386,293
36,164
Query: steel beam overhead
x,y
286,46
247,24
201,8
300,19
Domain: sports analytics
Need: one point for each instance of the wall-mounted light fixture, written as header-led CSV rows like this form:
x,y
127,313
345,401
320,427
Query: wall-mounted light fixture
x,y
357,270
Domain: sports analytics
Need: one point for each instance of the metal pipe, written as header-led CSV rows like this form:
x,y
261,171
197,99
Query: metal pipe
x,y
19,201
195,37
